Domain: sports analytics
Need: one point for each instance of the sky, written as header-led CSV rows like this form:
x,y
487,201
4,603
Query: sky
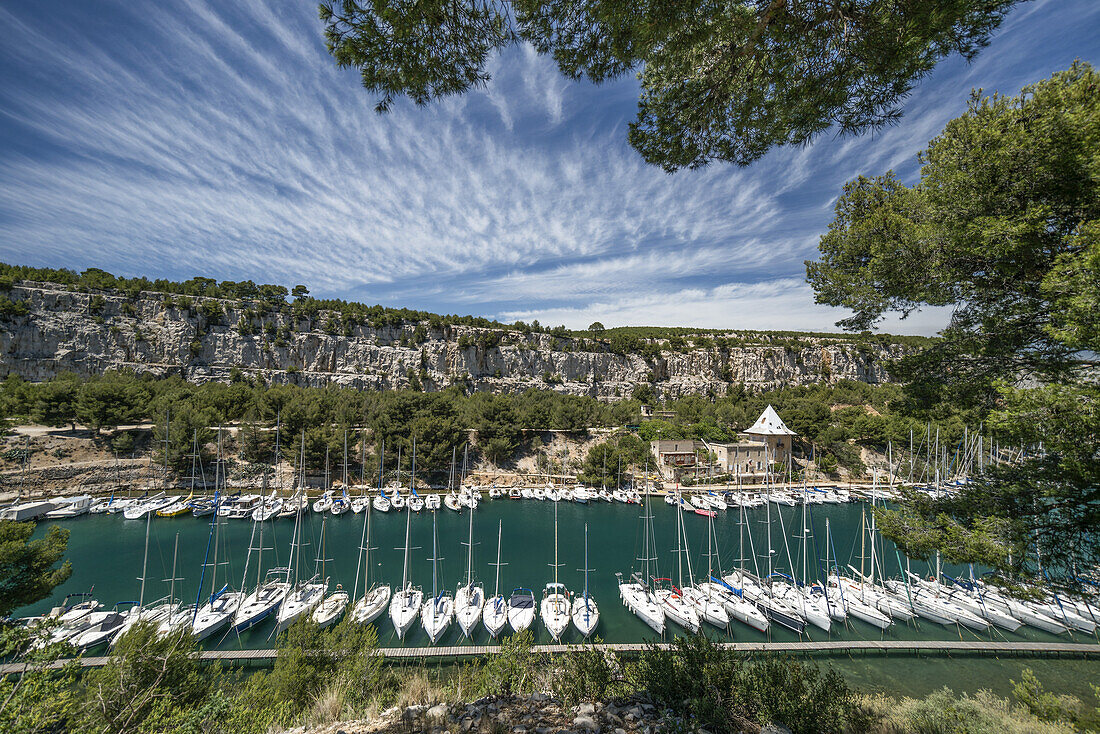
x,y
219,139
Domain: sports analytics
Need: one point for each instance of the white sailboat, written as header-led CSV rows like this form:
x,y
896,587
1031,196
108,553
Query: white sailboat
x,y
271,589
303,596
222,603
375,598
586,615
437,612
470,597
636,593
555,597
406,602
332,605
707,605
495,614
521,609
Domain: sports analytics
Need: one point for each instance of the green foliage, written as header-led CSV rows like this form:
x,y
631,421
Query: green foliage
x,y
1003,226
29,569
150,679
39,699
719,82
604,460
726,692
1042,704
943,713
586,674
515,669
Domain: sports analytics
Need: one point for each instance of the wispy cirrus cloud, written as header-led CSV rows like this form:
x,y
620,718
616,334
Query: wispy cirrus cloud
x,y
220,139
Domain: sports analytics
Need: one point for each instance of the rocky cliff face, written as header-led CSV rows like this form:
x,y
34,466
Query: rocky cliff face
x,y
205,339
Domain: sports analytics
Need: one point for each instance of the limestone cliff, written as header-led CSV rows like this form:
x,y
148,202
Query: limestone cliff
x,y
204,339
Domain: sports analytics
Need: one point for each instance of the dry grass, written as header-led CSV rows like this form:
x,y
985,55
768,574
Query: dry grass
x,y
943,712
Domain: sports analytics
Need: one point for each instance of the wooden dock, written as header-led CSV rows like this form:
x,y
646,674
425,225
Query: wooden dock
x,y
980,648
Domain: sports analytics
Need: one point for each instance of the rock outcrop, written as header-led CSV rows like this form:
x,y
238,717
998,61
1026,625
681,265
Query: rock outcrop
x,y
203,339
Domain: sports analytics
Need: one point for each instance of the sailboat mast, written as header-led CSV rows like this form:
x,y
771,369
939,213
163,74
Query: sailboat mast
x,y
768,491
496,588
586,563
145,560
470,552
405,565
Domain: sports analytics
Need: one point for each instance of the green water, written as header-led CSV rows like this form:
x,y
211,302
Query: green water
x,y
106,551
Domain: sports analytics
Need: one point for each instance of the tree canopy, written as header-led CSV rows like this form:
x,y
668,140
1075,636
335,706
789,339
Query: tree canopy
x,y
720,81
28,568
1003,227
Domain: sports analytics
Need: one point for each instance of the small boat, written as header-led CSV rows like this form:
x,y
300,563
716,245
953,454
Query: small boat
x,y
639,599
300,599
585,613
620,496
736,607
371,605
216,613
521,609
323,503
415,503
450,500
138,511
180,506
495,492
397,501
360,503
538,494
553,495
566,495
406,603
527,493
71,507
437,612
432,502
381,503
267,508
470,597
514,493
240,508
121,504
604,495
581,494
556,609
495,611
331,607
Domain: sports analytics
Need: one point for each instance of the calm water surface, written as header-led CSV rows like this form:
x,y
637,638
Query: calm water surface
x,y
107,551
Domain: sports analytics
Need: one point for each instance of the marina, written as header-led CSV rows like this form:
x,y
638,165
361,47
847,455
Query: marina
x,y
750,574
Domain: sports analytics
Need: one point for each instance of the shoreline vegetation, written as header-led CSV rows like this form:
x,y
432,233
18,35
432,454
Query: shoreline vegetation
x,y
326,676
843,429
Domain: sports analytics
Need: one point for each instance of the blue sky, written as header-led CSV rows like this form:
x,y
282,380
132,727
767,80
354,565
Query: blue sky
x,y
218,139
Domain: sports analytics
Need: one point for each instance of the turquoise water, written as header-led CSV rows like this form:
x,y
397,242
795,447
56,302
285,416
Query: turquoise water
x,y
106,552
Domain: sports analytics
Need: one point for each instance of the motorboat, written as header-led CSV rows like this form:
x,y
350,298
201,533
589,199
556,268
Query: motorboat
x,y
101,626
71,507
515,493
240,508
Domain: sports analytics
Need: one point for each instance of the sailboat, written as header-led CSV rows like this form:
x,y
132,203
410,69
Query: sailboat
x,y
152,614
669,595
303,596
707,604
437,612
470,597
405,604
271,588
849,604
586,615
555,597
636,593
375,598
223,603
332,605
495,614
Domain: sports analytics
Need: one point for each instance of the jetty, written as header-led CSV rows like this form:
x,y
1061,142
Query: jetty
x,y
845,648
